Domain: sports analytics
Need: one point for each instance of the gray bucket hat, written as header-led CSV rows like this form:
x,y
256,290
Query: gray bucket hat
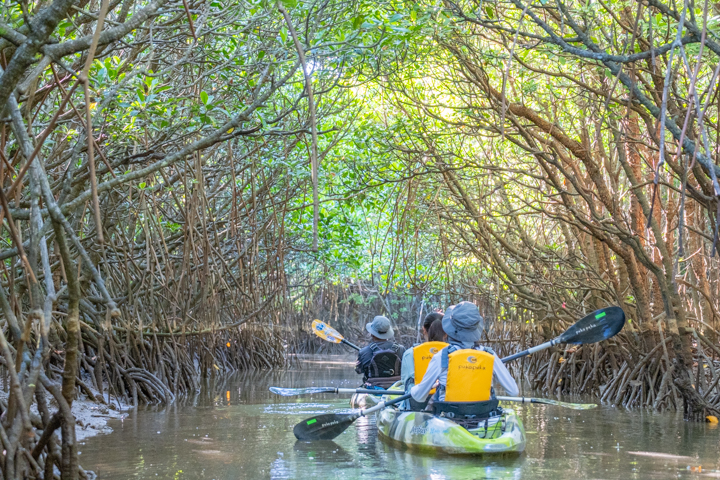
x,y
380,328
463,322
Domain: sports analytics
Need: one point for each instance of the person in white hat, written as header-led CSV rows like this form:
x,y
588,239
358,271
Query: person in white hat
x,y
380,361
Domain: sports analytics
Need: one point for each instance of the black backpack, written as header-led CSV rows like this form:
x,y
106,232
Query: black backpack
x,y
384,368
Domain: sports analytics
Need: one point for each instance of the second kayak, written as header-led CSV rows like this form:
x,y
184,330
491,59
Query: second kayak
x,y
424,431
367,400
364,400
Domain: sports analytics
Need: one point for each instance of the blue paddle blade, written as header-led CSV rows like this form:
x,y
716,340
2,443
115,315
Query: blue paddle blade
x,y
289,392
596,327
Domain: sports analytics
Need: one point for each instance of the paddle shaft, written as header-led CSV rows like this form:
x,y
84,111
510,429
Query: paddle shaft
x,y
545,401
521,399
370,391
384,404
342,340
400,392
529,351
501,398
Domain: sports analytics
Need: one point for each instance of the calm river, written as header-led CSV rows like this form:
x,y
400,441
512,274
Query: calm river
x,y
238,429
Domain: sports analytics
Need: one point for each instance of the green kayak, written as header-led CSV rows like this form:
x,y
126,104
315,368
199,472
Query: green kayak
x,y
364,400
424,431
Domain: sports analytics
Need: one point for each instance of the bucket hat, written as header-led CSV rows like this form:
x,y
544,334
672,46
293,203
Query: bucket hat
x,y
463,322
380,327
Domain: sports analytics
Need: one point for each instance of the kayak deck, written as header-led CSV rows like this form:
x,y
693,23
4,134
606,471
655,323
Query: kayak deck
x,y
364,400
423,431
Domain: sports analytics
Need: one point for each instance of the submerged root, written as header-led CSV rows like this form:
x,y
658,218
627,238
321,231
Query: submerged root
x,y
137,369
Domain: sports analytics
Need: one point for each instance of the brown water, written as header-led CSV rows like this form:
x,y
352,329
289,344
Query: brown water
x,y
238,429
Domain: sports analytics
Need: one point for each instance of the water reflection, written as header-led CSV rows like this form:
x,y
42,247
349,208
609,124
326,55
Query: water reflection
x,y
235,428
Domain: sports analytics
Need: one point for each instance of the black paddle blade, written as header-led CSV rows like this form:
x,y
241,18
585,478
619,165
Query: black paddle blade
x,y
324,427
289,392
599,325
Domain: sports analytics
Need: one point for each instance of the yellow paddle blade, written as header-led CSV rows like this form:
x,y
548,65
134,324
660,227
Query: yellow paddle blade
x,y
326,332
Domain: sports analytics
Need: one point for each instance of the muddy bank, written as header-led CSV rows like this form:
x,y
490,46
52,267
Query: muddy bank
x,y
91,417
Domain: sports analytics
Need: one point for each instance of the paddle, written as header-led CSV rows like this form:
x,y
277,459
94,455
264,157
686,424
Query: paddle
x,y
289,392
330,425
306,391
599,325
326,332
547,401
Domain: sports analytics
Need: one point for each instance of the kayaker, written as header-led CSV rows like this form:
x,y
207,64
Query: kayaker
x,y
436,332
466,377
427,323
380,361
408,362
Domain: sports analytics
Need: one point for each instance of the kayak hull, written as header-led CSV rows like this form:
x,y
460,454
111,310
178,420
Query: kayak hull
x,y
425,432
364,400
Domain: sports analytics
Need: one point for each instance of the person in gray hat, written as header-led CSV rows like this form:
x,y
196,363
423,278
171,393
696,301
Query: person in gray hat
x,y
380,361
463,325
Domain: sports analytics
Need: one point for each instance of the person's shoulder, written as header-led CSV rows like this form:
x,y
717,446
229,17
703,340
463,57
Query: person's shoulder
x,y
486,349
367,349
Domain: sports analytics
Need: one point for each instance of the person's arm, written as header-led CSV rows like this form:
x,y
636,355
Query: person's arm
x,y
361,361
420,391
407,370
504,378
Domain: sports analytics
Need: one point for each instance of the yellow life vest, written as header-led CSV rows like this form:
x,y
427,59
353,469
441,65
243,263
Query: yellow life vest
x,y
422,354
469,376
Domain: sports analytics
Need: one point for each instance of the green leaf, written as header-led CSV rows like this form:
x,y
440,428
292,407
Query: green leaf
x,y
204,97
289,3
489,12
357,21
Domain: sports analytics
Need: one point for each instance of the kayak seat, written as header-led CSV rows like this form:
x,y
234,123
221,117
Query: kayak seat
x,y
416,406
382,382
465,410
